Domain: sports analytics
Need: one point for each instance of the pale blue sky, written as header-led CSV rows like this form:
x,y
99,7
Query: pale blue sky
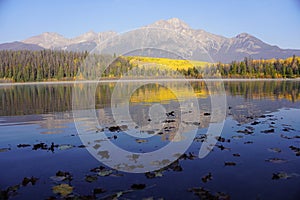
x,y
274,21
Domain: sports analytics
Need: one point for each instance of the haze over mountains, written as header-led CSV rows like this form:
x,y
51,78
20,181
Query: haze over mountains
x,y
219,48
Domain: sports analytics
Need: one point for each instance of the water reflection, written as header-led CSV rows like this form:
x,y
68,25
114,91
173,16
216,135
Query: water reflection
x,y
274,90
247,100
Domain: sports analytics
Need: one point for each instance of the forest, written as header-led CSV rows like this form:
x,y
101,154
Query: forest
x,y
52,65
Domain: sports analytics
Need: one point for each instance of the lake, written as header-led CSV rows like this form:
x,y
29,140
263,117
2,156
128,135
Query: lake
x,y
78,141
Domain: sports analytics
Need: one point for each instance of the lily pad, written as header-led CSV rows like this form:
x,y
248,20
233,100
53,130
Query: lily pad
x,y
31,180
61,176
90,179
23,145
98,191
286,137
200,138
138,186
287,129
96,146
57,178
245,131
221,139
41,145
116,195
4,150
62,189
189,156
141,141
230,164
295,149
103,154
237,137
206,178
118,128
255,123
65,146
206,194
268,131
10,191
153,174
105,172
223,148
171,114
275,150
283,175
276,160
97,169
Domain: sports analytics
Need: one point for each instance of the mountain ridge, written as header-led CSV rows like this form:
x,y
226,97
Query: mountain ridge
x,y
220,48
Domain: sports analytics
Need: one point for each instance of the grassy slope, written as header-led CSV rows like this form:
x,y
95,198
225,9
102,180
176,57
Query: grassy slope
x,y
165,63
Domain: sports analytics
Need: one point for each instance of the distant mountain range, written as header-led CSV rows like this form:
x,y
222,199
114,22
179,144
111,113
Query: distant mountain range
x,y
218,47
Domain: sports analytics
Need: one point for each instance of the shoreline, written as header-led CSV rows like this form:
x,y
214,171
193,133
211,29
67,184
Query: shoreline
x,y
145,80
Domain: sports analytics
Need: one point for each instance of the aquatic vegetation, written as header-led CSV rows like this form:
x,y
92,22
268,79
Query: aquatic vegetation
x,y
276,160
275,149
255,123
268,131
206,178
141,140
90,178
221,139
62,189
4,149
65,146
222,147
62,176
154,174
230,164
139,186
283,175
295,149
105,172
9,192
31,180
23,145
245,131
203,193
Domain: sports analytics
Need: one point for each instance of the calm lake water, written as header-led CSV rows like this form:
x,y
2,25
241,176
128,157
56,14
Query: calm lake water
x,y
257,155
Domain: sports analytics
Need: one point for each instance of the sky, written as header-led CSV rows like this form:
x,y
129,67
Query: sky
x,y
276,22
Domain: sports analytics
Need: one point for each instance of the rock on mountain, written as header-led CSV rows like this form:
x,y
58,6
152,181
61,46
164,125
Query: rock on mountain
x,y
173,35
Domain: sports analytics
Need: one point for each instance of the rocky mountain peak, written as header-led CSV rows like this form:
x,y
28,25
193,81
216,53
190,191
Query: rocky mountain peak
x,y
173,23
243,36
178,23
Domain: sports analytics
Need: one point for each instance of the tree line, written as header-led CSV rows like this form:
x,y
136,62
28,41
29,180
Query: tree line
x,y
249,68
24,66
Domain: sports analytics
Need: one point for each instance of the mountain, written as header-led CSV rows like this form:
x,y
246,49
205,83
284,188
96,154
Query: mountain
x,y
47,40
172,35
225,49
20,46
84,42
